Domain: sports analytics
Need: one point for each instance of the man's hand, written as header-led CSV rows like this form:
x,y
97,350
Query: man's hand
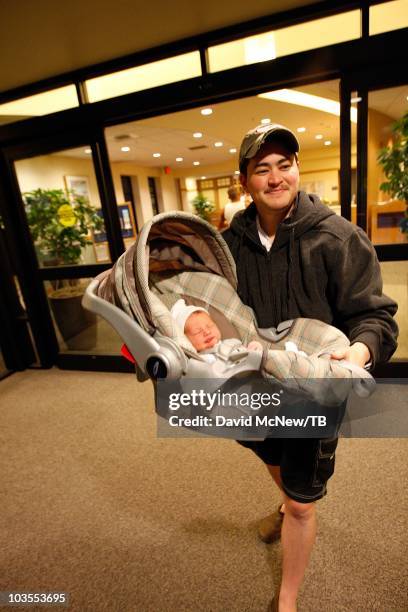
x,y
255,346
358,353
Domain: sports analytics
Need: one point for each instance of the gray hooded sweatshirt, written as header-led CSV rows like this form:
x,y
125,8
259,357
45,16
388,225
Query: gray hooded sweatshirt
x,y
320,266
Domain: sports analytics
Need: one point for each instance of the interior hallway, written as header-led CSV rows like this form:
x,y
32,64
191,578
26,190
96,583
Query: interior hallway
x,y
92,503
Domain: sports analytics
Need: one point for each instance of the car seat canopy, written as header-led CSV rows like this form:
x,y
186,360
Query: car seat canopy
x,y
174,245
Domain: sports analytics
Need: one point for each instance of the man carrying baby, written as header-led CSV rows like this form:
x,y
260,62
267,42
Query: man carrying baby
x,y
296,258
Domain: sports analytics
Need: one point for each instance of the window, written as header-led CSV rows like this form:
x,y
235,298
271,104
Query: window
x,y
63,209
162,72
39,104
388,16
285,41
385,209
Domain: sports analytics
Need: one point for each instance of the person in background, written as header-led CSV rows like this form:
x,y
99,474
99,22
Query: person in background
x,y
237,202
296,258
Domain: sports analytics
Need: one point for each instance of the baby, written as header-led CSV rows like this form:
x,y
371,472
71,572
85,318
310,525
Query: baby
x,y
205,336
203,333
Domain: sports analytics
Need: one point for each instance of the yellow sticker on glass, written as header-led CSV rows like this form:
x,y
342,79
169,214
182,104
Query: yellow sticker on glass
x,y
66,215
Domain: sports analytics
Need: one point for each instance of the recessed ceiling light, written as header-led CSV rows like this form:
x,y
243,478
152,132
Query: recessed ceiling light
x,y
265,120
156,154
125,149
301,129
88,151
206,111
196,163
232,150
203,178
197,135
237,172
218,144
327,142
355,100
179,159
319,136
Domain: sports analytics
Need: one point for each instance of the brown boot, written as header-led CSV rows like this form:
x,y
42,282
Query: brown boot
x,y
269,528
274,604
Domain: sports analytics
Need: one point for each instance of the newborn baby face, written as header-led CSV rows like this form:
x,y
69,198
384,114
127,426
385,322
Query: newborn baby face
x,y
201,330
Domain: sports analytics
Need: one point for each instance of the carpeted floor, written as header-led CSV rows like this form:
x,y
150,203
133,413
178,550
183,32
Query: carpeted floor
x,y
94,504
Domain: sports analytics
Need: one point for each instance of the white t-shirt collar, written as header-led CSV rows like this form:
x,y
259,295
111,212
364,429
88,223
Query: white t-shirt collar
x,y
266,240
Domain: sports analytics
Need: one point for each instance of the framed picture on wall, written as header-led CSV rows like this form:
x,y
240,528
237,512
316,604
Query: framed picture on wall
x,y
128,227
127,222
101,251
78,185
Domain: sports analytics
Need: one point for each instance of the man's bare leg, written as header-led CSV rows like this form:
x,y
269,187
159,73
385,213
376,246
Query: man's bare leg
x,y
298,536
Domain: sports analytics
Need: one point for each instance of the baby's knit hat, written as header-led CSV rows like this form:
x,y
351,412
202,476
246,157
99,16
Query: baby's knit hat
x,y
180,312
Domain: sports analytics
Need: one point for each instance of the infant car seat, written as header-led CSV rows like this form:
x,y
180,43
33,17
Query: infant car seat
x,y
178,255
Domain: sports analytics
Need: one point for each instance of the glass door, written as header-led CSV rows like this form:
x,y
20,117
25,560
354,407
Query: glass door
x,y
387,194
66,224
381,103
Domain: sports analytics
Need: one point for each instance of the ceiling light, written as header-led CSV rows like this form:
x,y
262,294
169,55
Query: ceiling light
x,y
218,144
232,150
299,98
206,111
265,121
179,159
88,151
355,100
301,129
237,172
203,178
197,135
196,163
156,154
327,142
319,136
125,149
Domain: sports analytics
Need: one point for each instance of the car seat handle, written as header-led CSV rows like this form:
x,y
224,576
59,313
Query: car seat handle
x,y
138,341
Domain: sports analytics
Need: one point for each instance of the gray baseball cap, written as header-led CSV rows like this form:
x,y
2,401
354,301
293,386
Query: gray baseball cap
x,y
255,138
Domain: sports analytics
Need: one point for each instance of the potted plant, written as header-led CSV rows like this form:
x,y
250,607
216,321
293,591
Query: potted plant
x,y
394,160
60,224
203,207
